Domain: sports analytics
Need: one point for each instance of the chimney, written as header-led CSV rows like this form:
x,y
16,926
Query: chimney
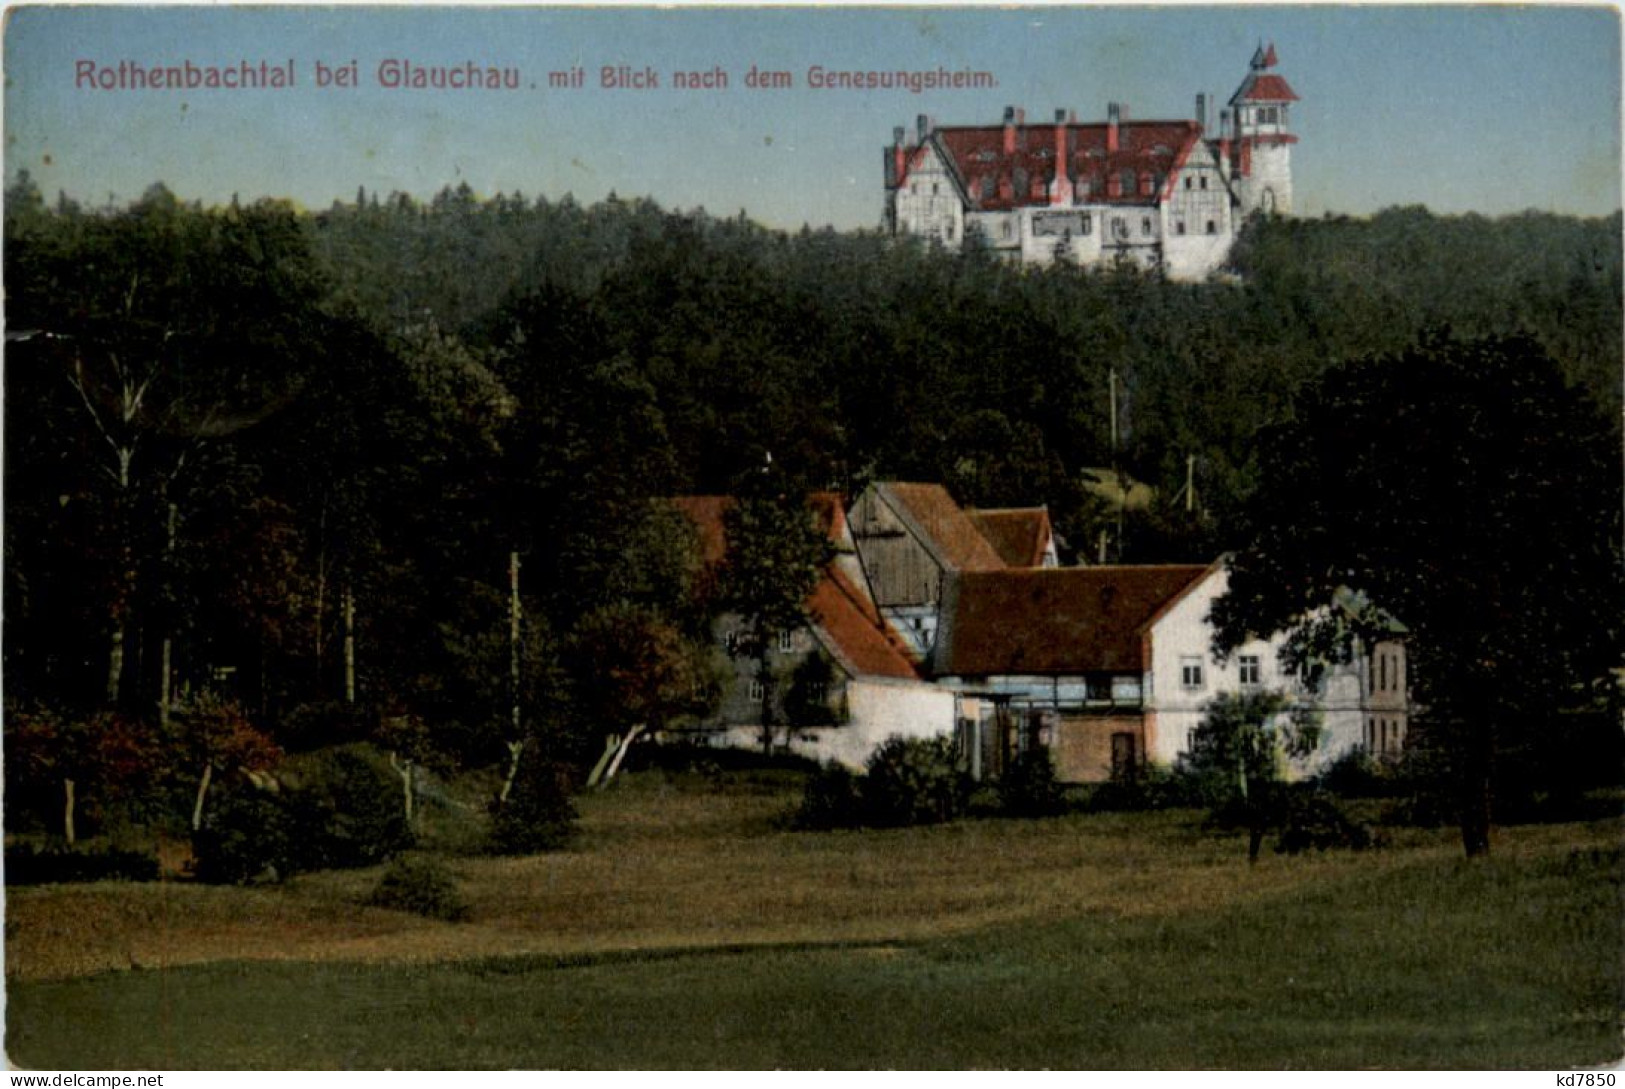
x,y
922,124
899,158
1201,111
1114,114
1061,191
1011,120
1224,140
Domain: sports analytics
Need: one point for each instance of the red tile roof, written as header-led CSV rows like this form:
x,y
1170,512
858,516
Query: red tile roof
x,y
707,512
1054,621
1263,88
942,526
846,622
1020,535
844,619
1147,149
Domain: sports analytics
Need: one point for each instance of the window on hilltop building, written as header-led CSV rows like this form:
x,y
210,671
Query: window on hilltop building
x,y
1179,226
1126,180
989,186
730,642
1145,224
935,189
949,231
786,642
1251,670
1005,230
1188,181
1204,181
1190,672
1087,224
1212,227
757,692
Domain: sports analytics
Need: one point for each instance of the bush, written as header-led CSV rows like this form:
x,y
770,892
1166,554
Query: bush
x,y
423,887
1314,821
831,798
245,837
1029,788
341,810
29,865
1357,775
538,815
915,781
1151,786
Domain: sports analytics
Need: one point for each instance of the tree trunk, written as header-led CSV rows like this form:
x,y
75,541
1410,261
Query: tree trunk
x,y
513,642
67,811
115,657
403,768
611,746
1478,757
349,646
764,677
516,749
164,685
620,753
202,793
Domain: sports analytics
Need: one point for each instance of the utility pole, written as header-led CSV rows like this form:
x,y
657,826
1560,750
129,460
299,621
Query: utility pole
x,y
1117,468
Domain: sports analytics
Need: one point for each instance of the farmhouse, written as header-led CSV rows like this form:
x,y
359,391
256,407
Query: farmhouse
x,y
846,682
1165,194
934,619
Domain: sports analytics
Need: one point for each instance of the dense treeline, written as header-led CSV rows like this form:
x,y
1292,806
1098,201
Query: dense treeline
x,y
292,458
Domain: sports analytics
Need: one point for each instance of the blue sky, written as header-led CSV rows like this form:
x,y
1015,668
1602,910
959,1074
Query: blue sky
x,y
1487,109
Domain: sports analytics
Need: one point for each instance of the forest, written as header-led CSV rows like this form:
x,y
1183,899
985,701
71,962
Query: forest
x,y
279,479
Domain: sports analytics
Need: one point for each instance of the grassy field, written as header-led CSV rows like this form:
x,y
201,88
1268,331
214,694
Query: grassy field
x,y
687,930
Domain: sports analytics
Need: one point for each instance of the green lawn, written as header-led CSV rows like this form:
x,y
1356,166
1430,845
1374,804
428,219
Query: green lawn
x,y
1405,957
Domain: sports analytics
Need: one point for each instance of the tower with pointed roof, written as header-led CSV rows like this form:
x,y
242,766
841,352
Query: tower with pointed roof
x,y
1261,151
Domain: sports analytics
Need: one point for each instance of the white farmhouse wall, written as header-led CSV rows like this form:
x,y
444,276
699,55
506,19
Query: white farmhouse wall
x,y
879,708
1175,709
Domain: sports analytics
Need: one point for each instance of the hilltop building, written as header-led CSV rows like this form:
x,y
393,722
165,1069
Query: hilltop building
x,y
1160,194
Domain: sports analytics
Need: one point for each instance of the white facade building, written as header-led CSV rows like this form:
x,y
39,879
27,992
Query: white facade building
x,y
1362,703
1158,194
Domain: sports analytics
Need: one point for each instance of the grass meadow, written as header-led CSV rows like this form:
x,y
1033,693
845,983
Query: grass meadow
x,y
687,929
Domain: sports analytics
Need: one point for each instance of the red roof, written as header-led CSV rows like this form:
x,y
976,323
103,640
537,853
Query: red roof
x,y
1263,88
1148,149
853,631
942,525
844,618
1019,535
1054,621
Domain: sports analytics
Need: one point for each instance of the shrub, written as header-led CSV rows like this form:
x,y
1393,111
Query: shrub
x,y
29,865
538,815
340,810
1357,775
915,781
1029,788
1314,821
1152,786
423,887
245,837
831,798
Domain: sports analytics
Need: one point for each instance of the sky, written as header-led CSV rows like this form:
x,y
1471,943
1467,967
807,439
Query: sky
x,y
1461,108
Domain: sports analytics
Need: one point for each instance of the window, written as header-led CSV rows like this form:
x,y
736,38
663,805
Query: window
x,y
1004,230
1125,181
1212,227
1370,735
1145,224
757,693
1179,226
1204,181
786,642
914,187
935,189
1190,672
1088,224
1188,180
1250,670
949,230
730,642
1382,673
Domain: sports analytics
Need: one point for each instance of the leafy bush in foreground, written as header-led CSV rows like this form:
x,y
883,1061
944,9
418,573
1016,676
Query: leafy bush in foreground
x,y
1029,787
537,815
831,798
915,781
423,887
